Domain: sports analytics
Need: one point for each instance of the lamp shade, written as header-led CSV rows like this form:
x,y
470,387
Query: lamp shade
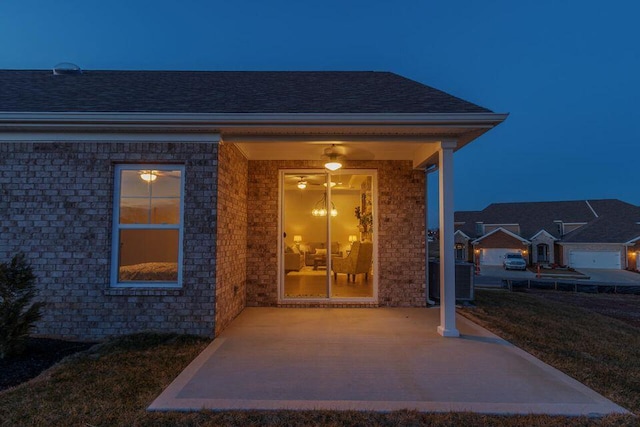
x,y
353,238
333,165
297,238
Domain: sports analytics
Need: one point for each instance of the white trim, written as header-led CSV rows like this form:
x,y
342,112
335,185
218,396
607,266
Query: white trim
x,y
280,259
473,119
504,231
592,210
463,234
632,241
116,227
113,137
561,243
543,231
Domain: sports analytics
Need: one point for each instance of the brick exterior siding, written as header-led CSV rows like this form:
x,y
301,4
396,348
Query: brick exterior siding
x,y
544,240
56,202
632,256
231,263
56,206
500,239
400,231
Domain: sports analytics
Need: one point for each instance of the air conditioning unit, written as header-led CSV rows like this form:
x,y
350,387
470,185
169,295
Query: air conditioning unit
x,y
464,280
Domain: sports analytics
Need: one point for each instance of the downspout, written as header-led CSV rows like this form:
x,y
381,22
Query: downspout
x,y
427,170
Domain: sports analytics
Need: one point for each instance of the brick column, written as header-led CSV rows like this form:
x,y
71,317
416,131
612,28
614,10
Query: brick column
x,y
447,326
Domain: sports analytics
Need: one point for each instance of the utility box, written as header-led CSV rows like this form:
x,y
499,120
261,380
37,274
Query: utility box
x,y
464,280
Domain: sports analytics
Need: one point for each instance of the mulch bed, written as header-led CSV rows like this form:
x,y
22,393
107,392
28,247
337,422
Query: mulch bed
x,y
39,355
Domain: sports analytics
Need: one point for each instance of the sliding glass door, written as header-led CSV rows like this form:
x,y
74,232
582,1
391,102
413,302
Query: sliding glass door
x,y
327,223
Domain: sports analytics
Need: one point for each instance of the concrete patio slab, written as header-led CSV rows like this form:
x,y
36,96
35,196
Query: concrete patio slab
x,y
371,359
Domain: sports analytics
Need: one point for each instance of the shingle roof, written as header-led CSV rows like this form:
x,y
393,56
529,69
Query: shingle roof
x,y
616,221
223,92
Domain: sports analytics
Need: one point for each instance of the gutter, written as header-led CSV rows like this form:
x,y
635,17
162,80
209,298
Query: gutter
x,y
469,119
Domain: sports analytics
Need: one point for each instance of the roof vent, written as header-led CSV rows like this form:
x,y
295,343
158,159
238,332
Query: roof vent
x,y
66,68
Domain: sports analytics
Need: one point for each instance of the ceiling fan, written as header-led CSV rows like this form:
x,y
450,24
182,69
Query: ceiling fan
x,y
150,175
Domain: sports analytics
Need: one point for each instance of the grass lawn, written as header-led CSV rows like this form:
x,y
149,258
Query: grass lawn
x,y
114,382
574,333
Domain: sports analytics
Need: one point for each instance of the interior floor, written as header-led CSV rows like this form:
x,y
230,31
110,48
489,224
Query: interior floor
x,y
309,283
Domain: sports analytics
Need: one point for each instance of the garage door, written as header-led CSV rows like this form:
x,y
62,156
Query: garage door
x,y
494,256
594,259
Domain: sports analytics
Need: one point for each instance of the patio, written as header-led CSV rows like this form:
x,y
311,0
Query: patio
x,y
371,359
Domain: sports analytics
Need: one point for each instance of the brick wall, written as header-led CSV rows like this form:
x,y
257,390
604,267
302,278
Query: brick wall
x,y
231,273
632,257
543,239
400,234
468,247
501,240
56,202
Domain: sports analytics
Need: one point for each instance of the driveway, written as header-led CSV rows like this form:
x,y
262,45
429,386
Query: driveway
x,y
380,359
492,275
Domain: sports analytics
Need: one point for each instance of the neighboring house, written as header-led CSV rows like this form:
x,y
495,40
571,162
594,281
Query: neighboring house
x,y
579,234
158,200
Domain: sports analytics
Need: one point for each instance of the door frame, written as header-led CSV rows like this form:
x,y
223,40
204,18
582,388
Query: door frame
x,y
280,250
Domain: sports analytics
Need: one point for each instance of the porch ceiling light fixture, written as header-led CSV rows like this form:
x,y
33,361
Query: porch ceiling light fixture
x,y
148,176
333,158
320,208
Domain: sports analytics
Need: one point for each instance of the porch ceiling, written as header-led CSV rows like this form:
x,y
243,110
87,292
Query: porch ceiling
x,y
417,144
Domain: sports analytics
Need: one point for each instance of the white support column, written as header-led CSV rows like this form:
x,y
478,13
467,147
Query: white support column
x,y
447,326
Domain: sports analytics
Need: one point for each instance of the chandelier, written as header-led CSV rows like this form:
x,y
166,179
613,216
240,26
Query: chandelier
x,y
320,208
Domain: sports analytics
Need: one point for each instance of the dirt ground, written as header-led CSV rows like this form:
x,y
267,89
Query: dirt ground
x,y
622,307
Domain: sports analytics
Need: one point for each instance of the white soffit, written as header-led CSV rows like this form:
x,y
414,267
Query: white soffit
x,y
314,150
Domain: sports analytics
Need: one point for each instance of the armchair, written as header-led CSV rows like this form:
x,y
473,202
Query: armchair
x,y
358,261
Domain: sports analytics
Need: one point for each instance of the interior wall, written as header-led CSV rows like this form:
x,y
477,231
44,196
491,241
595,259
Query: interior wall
x,y
300,221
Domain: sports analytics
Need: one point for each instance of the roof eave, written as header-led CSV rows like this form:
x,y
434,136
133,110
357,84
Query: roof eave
x,y
487,120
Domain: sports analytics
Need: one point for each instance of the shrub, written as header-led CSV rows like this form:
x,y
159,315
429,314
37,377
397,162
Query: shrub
x,y
17,313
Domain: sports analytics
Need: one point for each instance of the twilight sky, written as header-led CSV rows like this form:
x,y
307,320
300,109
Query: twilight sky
x,y
568,72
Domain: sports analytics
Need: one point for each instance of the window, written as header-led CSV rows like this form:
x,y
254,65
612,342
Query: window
x,y
460,252
147,226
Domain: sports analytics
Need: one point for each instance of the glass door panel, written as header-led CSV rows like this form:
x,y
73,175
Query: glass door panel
x,y
352,236
305,209
316,204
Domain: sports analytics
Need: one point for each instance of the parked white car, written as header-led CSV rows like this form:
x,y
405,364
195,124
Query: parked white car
x,y
514,261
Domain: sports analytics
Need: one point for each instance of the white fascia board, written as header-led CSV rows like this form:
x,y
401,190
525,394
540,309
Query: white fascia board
x,y
486,120
525,241
112,137
633,241
543,232
462,233
561,243
23,126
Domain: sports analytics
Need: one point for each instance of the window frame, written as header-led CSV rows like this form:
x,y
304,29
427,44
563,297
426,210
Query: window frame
x,y
117,226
